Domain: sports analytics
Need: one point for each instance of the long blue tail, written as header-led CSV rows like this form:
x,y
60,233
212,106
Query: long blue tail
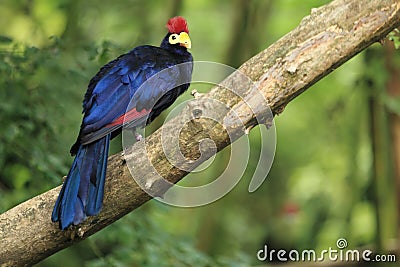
x,y
83,189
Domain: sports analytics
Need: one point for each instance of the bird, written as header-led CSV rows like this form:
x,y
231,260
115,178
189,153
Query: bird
x,y
129,91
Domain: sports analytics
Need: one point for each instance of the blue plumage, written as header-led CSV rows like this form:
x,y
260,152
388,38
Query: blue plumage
x,y
126,85
82,192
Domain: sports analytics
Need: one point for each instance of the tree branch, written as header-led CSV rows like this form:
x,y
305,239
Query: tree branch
x,y
324,40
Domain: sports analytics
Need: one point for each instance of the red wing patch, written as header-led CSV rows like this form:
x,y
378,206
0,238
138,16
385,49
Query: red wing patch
x,y
130,116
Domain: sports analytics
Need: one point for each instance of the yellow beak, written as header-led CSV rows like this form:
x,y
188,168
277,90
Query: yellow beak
x,y
184,40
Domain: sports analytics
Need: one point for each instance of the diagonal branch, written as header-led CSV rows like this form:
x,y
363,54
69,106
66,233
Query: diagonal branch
x,y
324,40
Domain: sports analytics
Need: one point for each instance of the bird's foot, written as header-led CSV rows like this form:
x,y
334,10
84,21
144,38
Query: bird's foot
x,y
195,94
248,129
80,232
138,137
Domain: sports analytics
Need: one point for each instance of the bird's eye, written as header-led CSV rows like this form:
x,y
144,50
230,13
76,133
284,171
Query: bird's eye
x,y
173,39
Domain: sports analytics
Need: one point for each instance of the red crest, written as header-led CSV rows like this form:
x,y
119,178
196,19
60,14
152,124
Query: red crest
x,y
177,25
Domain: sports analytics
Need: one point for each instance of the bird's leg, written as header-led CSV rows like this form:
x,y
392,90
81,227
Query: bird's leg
x,y
248,129
195,94
138,136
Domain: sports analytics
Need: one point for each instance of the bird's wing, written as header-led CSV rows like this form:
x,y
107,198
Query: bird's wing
x,y
126,90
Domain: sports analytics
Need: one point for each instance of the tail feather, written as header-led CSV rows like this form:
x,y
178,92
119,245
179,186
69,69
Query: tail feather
x,y
96,190
82,191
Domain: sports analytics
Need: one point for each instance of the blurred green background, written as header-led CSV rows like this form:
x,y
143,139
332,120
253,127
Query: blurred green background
x,y
335,165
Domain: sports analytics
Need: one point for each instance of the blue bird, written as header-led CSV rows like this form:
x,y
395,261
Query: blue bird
x,y
118,95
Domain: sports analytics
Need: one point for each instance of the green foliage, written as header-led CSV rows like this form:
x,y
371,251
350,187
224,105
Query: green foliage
x,y
142,240
5,39
33,120
394,36
392,103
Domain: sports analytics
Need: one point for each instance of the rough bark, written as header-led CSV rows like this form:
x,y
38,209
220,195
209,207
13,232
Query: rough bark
x,y
324,40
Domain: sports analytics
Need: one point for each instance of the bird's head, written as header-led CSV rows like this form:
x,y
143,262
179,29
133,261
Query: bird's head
x,y
178,32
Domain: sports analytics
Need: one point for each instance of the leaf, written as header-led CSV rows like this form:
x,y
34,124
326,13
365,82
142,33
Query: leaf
x,y
5,39
394,36
17,175
393,104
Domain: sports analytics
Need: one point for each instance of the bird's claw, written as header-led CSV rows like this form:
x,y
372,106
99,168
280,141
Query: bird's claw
x,y
80,232
138,137
248,129
195,94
